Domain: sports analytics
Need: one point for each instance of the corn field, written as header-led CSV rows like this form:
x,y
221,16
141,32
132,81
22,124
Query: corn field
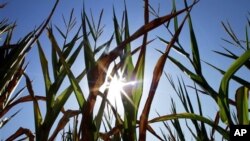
x,y
116,62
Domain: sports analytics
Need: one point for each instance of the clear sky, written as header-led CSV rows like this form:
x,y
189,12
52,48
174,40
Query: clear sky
x,y
207,16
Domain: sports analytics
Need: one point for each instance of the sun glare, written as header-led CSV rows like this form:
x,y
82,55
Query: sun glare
x,y
116,87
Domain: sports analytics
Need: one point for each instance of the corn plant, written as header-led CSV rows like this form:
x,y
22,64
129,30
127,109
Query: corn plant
x,y
101,57
56,100
200,130
220,97
95,70
132,96
12,64
8,84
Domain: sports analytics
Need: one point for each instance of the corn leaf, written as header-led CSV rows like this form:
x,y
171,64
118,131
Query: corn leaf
x,y
175,18
104,46
46,77
60,31
69,46
141,31
190,74
247,39
78,92
223,91
241,99
37,111
98,118
176,48
198,79
234,77
62,98
127,50
63,121
62,73
194,47
155,81
90,62
233,36
194,117
55,63
118,35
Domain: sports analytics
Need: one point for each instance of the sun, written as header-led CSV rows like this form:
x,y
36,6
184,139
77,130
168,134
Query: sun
x,y
115,85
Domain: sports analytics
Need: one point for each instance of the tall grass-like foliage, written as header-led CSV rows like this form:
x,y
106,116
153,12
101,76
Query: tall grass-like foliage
x,y
12,69
230,111
95,71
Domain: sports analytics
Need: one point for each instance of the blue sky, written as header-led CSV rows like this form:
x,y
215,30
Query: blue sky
x,y
207,16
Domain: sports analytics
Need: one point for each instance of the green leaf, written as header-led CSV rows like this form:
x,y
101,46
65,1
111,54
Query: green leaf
x,y
176,48
99,21
78,92
37,111
90,62
203,131
241,99
234,77
190,74
233,56
116,28
175,18
45,70
230,55
247,39
92,31
89,57
176,122
222,131
62,73
55,63
74,55
127,69
141,31
105,45
195,49
69,46
233,36
128,64
198,79
61,99
223,91
99,116
64,95
60,31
